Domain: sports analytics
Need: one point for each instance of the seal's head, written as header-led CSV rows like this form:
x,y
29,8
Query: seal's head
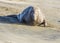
x,y
39,17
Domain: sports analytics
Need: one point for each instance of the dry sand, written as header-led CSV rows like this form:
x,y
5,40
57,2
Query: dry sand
x,y
13,32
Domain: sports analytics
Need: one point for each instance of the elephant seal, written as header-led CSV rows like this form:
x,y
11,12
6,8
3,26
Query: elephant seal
x,y
32,16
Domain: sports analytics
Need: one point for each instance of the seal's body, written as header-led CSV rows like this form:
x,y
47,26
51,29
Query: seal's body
x,y
32,15
27,16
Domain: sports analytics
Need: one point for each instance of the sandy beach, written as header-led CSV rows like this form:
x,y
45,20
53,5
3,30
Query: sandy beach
x,y
13,32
